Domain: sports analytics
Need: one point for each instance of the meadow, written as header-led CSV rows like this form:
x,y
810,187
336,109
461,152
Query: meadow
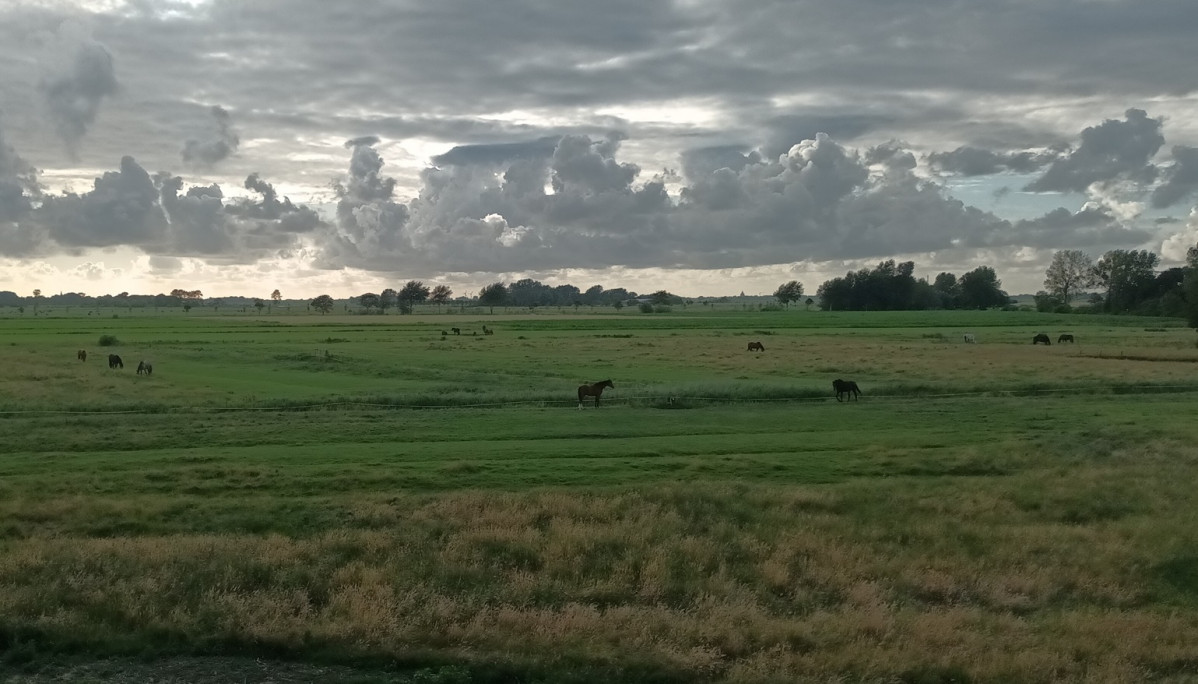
x,y
360,498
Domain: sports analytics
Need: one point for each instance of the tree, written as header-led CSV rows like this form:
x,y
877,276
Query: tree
x,y
440,295
412,293
789,292
37,294
259,304
947,289
1125,273
323,304
809,302
1189,286
276,296
662,297
492,295
1071,270
981,289
369,300
387,299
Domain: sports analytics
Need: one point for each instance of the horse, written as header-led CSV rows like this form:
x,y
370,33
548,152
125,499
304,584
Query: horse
x,y
969,338
143,367
756,346
81,355
488,331
846,387
444,334
1041,338
1065,337
114,361
456,331
593,390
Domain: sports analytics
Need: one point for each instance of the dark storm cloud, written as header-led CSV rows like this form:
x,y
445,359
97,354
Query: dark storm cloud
x,y
974,161
18,183
130,207
221,143
1093,226
73,95
818,201
1113,149
1181,179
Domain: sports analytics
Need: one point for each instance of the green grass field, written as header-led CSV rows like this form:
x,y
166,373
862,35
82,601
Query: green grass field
x,y
357,498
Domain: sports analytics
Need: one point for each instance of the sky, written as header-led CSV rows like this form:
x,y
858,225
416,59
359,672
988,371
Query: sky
x,y
700,146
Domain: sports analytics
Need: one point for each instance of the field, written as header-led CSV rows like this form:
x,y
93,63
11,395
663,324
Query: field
x,y
359,498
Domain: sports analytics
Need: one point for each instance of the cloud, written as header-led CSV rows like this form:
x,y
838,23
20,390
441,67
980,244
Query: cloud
x,y
1181,178
18,184
498,153
975,161
1113,149
222,142
74,93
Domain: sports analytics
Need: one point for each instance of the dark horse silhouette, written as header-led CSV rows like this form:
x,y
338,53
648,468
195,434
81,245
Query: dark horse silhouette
x,y
81,355
1065,337
114,361
846,387
488,331
456,331
143,367
1041,338
592,390
756,346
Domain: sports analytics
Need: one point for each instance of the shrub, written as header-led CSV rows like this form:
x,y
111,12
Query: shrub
x,y
109,341
646,307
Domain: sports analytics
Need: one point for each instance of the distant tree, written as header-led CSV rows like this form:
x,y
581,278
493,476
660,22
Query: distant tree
x,y
440,294
369,301
412,293
259,305
809,302
186,308
789,292
1124,274
947,290
981,289
216,303
1071,270
662,297
492,295
1046,302
387,299
323,304
618,304
276,296
1190,286
37,295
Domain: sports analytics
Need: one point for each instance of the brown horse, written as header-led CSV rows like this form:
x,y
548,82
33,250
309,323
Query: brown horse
x,y
1065,337
846,387
114,361
1041,338
593,390
81,355
756,346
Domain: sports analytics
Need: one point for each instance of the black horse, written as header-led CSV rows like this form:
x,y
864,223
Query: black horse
x,y
114,361
593,390
81,355
756,346
456,331
846,387
1065,337
1041,338
143,367
488,331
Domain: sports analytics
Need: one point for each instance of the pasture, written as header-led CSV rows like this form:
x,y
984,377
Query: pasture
x,y
357,498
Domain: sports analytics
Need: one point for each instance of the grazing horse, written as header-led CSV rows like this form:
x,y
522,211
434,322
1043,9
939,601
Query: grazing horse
x,y
1065,337
456,331
81,355
143,367
1041,338
846,387
114,361
756,346
969,338
443,333
488,331
593,390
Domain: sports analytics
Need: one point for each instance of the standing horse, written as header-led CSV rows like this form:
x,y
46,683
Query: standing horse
x,y
488,331
143,367
756,346
114,361
81,355
1065,337
1041,338
844,387
593,390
